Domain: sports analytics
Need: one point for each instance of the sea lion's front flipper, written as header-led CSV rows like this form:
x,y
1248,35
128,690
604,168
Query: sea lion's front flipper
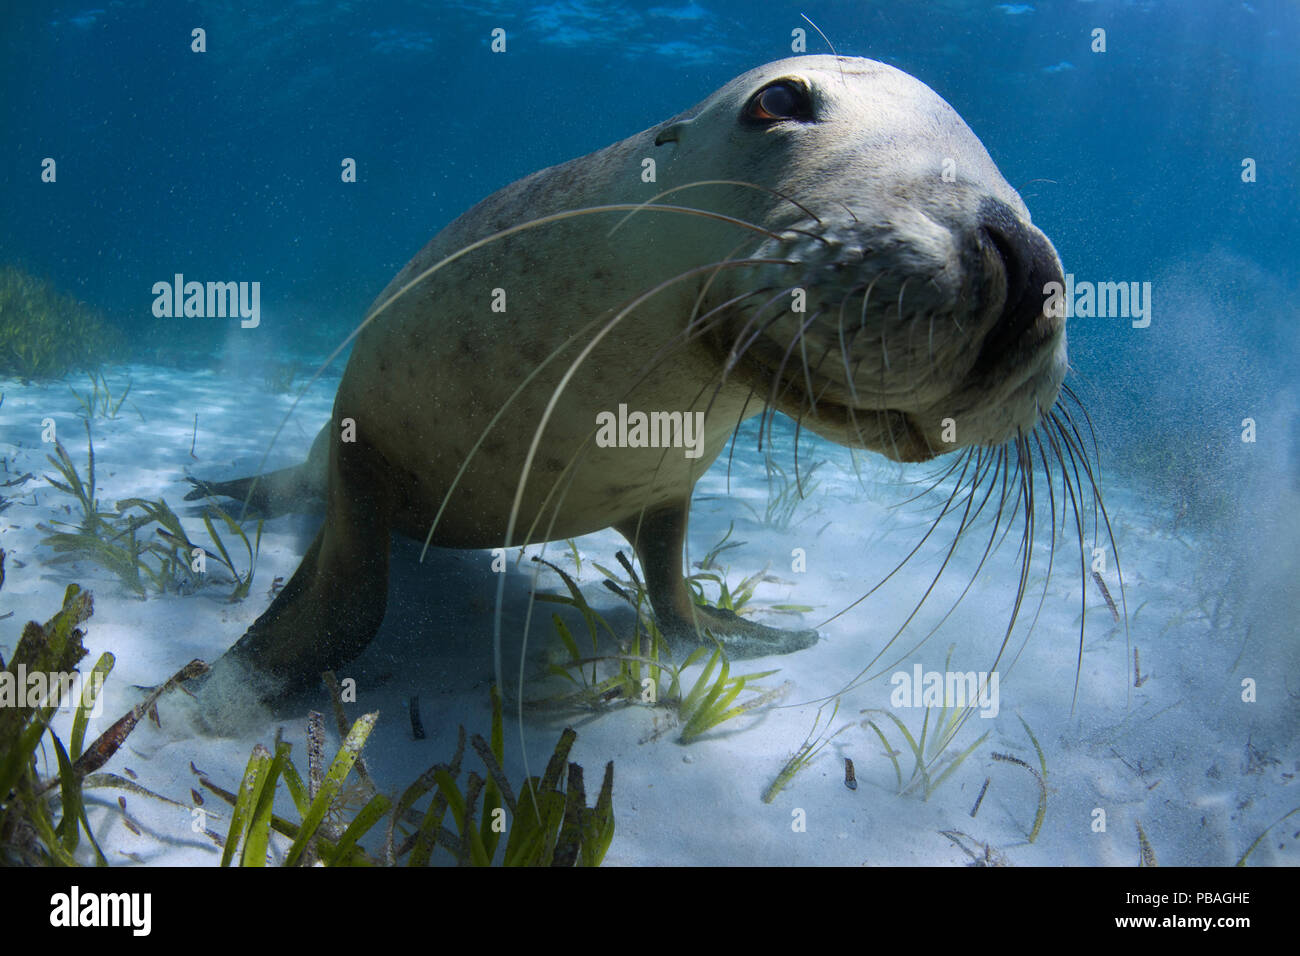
x,y
658,538
333,605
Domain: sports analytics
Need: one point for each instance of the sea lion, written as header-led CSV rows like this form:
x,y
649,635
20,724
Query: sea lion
x,y
823,237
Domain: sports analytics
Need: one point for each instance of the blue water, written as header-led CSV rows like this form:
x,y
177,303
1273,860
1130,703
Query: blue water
x,y
226,165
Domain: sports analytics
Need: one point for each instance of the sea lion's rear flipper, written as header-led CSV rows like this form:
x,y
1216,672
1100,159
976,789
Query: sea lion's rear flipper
x,y
296,489
658,538
333,605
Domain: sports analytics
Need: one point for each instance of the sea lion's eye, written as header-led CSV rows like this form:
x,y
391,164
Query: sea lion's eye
x,y
782,100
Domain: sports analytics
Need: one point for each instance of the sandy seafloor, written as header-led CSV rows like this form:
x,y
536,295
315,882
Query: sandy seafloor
x,y
1201,771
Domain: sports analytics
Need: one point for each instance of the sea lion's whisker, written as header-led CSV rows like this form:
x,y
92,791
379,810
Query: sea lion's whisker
x,y
990,459
1014,472
799,420
763,418
1079,446
1083,569
1016,466
737,353
778,377
854,400
1051,549
966,458
735,433
936,480
829,44
982,469
1110,535
828,383
866,298
844,346
1069,393
881,416
722,182
1025,552
708,284
798,482
1052,422
1000,470
739,348
884,324
1066,467
930,346
807,372
964,463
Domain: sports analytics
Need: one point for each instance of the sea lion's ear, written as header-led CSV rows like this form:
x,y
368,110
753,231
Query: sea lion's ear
x,y
672,134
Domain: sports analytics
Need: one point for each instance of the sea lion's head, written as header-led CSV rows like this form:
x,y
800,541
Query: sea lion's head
x,y
903,310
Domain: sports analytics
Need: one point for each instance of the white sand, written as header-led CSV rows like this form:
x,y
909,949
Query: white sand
x,y
1172,754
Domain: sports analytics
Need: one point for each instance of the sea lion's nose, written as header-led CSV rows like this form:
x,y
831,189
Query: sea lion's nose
x,y
1029,263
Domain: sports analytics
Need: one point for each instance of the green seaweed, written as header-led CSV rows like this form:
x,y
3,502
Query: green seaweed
x,y
242,582
785,495
710,702
711,572
113,539
737,599
640,675
1259,839
591,689
930,748
42,819
573,553
1041,776
549,824
100,402
45,334
812,745
92,519
1146,854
